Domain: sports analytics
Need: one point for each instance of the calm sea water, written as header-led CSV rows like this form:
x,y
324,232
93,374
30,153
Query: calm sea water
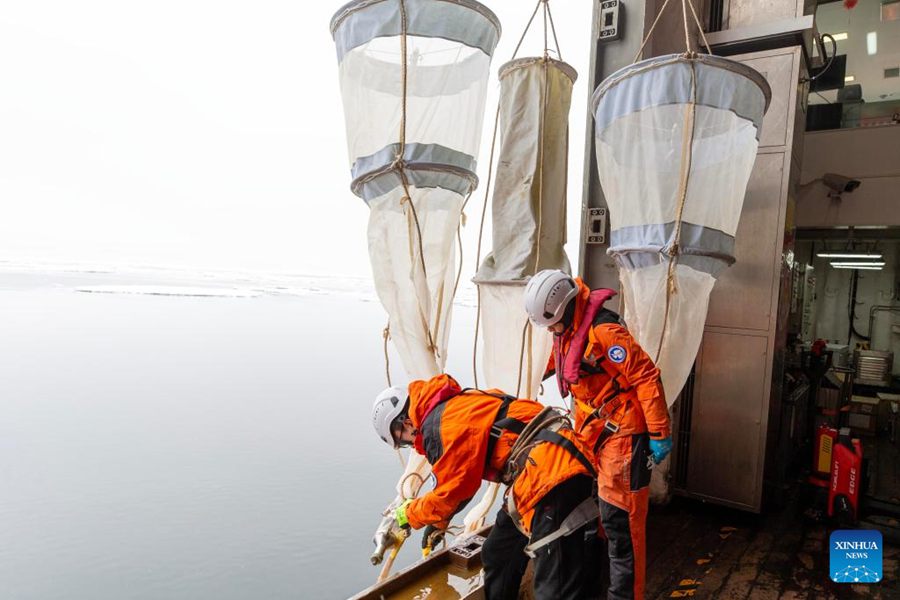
x,y
180,446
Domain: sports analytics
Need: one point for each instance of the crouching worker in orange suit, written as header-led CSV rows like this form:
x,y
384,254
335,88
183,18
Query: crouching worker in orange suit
x,y
620,411
470,435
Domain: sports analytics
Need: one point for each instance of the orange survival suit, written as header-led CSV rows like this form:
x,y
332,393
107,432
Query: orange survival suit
x,y
454,437
619,406
469,435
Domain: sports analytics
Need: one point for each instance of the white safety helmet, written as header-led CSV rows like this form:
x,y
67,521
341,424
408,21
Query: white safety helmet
x,y
546,296
389,404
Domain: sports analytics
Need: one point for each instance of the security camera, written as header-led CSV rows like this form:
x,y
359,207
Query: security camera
x,y
839,184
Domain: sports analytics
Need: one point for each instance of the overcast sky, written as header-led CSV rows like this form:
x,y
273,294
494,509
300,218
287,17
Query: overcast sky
x,y
202,134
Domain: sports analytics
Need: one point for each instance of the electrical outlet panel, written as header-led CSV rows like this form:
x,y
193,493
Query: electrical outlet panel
x,y
596,226
609,20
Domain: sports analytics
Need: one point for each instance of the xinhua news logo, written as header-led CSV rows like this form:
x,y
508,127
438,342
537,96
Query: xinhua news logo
x,y
856,556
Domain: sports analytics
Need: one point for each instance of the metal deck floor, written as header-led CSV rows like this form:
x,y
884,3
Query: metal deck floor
x,y
696,550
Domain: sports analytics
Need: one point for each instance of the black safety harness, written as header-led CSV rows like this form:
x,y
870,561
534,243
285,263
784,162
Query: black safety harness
x,y
503,423
536,432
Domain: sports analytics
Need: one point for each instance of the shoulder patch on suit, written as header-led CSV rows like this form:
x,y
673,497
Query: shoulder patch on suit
x,y
617,354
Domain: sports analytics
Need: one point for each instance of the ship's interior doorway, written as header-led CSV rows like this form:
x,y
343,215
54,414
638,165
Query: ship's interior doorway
x,y
843,337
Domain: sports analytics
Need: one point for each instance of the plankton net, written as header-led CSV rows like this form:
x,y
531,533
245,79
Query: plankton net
x,y
676,139
413,77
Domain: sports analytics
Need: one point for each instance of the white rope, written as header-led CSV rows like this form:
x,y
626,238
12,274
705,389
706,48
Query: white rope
x,y
640,51
699,27
386,334
688,46
400,166
687,32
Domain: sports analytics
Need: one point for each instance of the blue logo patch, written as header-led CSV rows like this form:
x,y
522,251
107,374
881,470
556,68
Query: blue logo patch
x,y
855,556
617,354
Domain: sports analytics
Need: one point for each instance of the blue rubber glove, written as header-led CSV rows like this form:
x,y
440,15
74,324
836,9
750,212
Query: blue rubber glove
x,y
660,449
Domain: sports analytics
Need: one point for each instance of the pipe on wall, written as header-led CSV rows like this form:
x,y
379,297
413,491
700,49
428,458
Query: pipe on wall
x,y
876,309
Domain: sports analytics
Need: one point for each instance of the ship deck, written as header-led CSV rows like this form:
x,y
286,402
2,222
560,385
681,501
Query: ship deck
x,y
699,550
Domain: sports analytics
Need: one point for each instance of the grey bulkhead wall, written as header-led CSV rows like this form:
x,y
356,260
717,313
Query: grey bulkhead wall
x,y
635,18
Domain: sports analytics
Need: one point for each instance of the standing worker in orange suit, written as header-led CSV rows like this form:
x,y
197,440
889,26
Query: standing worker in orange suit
x,y
472,435
620,411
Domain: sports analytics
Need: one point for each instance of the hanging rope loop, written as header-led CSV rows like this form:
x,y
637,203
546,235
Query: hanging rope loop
x,y
699,27
640,52
687,33
689,51
687,143
386,335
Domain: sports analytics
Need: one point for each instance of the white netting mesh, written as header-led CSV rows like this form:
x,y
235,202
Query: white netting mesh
x,y
644,291
503,322
419,309
447,86
639,160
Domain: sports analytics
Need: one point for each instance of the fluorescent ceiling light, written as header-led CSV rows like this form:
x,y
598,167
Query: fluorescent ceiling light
x,y
849,79
857,264
857,268
847,255
839,37
872,42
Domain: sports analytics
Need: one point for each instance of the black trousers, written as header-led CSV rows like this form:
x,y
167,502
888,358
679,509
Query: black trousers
x,y
561,571
617,524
